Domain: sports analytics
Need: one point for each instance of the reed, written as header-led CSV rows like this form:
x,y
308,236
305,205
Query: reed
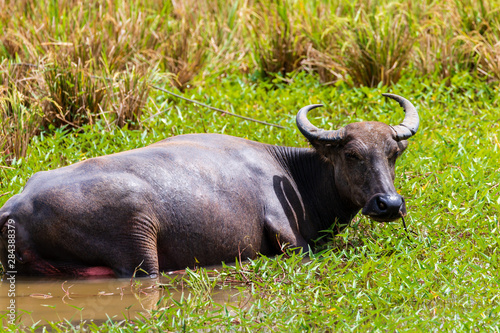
x,y
278,45
379,46
74,96
21,109
85,62
323,24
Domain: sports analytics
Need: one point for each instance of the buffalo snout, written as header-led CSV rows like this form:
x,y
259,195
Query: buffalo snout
x,y
385,207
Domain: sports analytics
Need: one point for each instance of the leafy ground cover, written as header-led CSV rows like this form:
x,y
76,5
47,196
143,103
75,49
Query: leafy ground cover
x,y
67,96
371,277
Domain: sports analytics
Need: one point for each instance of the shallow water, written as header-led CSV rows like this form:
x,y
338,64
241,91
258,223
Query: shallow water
x,y
97,299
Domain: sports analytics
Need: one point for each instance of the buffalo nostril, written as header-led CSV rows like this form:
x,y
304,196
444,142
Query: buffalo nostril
x,y
382,205
385,207
388,204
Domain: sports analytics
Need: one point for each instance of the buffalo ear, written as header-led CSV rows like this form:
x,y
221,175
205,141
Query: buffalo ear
x,y
326,148
403,144
318,144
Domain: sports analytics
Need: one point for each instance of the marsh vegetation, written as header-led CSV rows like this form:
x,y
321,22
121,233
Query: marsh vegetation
x,y
79,80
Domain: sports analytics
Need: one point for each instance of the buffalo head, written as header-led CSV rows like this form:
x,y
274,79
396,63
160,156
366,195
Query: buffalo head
x,y
364,156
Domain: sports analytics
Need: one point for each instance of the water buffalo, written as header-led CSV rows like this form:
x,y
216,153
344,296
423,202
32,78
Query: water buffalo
x,y
201,199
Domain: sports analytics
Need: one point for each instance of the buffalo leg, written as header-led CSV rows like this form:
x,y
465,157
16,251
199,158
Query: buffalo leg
x,y
138,251
284,236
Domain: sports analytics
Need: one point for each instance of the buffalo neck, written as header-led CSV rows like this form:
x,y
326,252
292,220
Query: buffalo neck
x,y
314,178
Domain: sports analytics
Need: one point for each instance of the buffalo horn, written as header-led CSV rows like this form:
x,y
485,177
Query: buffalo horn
x,y
311,132
409,126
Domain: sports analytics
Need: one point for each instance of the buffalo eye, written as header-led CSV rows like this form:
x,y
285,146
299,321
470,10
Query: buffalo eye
x,y
394,155
352,156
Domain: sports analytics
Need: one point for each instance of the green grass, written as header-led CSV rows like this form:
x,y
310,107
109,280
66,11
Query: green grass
x,y
371,277
76,82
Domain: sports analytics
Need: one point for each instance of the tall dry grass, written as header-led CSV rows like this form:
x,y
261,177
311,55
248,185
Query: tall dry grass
x,y
323,24
480,22
89,61
183,43
21,108
68,63
378,49
277,42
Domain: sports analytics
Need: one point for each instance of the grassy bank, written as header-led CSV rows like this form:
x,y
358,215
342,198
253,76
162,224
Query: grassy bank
x,y
371,277
77,83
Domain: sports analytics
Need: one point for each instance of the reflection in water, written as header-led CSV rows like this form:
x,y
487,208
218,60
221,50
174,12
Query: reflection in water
x,y
98,299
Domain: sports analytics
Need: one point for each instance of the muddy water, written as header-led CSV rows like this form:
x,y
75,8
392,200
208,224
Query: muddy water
x,y
98,299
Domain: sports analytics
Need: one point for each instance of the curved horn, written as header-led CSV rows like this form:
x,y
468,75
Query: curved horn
x,y
311,132
409,126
